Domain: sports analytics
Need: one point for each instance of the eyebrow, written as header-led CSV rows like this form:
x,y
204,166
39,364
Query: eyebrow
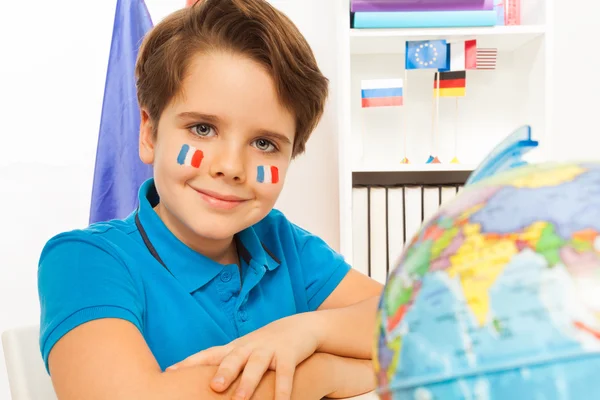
x,y
192,115
187,115
275,135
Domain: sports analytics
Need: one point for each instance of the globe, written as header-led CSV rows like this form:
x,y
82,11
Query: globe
x,y
498,295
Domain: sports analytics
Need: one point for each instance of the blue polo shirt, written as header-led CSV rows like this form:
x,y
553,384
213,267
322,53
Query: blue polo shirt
x,y
107,271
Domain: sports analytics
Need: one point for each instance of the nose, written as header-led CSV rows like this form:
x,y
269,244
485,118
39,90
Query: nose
x,y
228,163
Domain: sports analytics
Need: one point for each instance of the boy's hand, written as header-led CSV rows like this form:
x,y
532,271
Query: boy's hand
x,y
279,346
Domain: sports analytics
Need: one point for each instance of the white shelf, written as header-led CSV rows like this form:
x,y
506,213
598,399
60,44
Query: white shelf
x,y
373,142
386,41
389,167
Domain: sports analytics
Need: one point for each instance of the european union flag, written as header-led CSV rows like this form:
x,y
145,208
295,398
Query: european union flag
x,y
426,54
119,171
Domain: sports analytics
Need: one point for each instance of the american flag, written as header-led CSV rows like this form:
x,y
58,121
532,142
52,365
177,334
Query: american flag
x,y
486,58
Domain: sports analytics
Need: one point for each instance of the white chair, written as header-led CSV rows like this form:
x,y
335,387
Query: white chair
x,y
27,374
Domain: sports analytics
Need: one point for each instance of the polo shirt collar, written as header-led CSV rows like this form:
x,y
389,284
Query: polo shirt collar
x,y
192,269
254,252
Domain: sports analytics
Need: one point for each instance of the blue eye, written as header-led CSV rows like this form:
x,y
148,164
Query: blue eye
x,y
265,145
203,130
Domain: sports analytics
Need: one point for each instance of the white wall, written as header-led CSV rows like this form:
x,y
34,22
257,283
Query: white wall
x,y
576,64
51,83
310,197
53,61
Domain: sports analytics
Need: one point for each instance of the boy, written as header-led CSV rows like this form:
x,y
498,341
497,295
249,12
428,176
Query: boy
x,y
205,291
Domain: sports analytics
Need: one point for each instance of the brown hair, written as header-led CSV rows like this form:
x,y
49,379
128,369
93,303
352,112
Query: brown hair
x,y
251,27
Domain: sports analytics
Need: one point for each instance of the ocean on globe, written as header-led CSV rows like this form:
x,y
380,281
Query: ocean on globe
x,y
498,295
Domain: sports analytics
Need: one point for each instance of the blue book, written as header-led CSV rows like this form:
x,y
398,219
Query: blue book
x,y
424,19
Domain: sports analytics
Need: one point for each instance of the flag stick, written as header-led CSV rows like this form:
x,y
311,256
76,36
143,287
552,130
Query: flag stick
x,y
404,132
437,114
432,122
361,143
455,158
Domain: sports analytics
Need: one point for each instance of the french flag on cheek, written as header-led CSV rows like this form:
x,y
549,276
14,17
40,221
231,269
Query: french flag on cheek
x,y
190,156
267,174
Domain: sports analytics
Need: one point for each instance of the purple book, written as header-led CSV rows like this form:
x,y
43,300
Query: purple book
x,y
421,5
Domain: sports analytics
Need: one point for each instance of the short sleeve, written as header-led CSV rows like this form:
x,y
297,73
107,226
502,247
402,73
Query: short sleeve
x,y
323,268
79,280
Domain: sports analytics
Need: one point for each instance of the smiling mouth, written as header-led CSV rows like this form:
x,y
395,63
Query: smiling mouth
x,y
224,202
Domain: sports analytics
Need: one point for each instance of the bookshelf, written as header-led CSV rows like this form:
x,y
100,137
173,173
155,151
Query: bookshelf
x,y
385,41
396,167
372,141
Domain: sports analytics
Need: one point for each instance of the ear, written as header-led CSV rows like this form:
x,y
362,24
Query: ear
x,y
147,140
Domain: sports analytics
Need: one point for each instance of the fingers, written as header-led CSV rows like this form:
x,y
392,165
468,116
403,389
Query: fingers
x,y
284,378
212,356
258,363
230,368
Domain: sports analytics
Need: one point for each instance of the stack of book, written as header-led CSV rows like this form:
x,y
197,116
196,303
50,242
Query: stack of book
x,y
423,13
385,220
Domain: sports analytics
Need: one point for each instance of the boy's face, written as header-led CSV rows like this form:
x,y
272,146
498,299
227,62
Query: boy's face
x,y
222,150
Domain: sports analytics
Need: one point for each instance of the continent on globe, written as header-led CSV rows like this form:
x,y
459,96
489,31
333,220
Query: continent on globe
x,y
497,296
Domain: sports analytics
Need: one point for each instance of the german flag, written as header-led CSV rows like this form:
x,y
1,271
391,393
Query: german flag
x,y
452,84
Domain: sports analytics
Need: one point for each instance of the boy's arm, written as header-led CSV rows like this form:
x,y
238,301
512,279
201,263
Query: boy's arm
x,y
321,375
352,377
348,331
109,359
347,317
354,288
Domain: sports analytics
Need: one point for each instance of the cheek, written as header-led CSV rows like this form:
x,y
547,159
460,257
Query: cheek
x,y
268,180
178,162
268,175
189,156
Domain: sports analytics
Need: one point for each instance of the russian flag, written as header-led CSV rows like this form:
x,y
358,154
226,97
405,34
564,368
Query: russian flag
x,y
267,174
190,156
382,92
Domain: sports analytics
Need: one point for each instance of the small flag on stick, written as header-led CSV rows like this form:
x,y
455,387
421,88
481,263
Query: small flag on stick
x,y
462,56
451,84
486,59
382,93
426,54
